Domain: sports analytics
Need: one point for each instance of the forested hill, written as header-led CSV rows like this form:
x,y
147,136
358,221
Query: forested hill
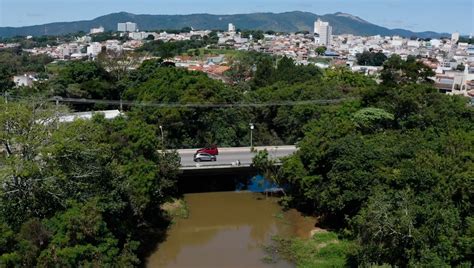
x,y
281,22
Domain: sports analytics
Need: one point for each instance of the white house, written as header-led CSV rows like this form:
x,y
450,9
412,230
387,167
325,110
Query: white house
x,y
97,30
24,80
94,49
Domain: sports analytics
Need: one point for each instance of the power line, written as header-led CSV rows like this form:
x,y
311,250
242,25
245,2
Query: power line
x,y
192,105
200,105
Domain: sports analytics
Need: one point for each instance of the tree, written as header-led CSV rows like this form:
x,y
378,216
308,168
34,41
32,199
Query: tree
x,y
268,167
256,35
264,72
78,194
25,136
386,228
371,58
6,81
460,67
372,119
186,29
397,71
118,63
321,50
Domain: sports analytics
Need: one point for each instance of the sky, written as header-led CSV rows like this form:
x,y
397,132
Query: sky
x,y
416,15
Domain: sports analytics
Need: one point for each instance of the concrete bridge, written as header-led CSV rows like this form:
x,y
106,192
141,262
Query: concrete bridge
x,y
228,158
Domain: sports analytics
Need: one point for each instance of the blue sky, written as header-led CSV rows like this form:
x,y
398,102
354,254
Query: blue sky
x,y
416,15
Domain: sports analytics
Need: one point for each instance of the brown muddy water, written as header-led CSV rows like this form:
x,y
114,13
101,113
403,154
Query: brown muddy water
x,y
228,229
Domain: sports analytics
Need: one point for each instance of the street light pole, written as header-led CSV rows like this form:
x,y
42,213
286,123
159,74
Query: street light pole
x,y
162,137
251,137
57,99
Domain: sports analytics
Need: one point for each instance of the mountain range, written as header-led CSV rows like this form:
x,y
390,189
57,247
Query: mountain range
x,y
294,21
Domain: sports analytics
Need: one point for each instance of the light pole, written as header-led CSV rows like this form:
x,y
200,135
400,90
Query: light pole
x,y
5,96
162,137
251,137
57,99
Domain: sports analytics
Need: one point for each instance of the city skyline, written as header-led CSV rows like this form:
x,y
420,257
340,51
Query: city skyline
x,y
435,16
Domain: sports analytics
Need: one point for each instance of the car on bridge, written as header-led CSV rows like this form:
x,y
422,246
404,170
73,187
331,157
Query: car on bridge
x,y
198,157
212,150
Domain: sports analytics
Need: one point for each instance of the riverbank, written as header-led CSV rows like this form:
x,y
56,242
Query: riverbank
x,y
176,209
323,249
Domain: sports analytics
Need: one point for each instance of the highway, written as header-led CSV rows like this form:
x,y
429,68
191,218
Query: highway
x,y
228,156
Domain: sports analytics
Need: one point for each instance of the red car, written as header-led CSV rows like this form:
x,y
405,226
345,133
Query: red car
x,y
212,150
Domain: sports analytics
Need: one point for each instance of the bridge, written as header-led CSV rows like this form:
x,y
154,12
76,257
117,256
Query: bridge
x,y
229,158
225,174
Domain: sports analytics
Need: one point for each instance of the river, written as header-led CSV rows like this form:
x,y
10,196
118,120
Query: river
x,y
228,229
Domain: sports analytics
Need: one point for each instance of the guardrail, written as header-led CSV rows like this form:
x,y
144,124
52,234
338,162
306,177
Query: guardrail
x,y
218,166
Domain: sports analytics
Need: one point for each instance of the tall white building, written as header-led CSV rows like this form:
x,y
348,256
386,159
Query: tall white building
x,y
455,37
231,28
324,31
126,27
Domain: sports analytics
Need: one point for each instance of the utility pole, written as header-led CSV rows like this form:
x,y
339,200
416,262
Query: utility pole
x,y
162,138
7,126
57,98
251,136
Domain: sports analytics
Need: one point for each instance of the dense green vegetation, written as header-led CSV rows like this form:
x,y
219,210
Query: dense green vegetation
x,y
256,35
79,79
89,192
370,58
388,166
16,62
81,194
466,39
166,50
397,72
41,40
187,127
392,171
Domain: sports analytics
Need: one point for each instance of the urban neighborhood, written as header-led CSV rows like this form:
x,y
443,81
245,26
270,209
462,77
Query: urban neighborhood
x,y
450,58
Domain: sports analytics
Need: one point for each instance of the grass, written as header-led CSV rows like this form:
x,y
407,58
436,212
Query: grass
x,y
176,209
221,51
321,60
55,67
324,249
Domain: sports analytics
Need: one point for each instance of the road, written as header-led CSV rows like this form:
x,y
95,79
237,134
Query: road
x,y
229,156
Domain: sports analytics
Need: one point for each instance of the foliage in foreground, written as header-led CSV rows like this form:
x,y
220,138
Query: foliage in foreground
x,y
78,194
395,173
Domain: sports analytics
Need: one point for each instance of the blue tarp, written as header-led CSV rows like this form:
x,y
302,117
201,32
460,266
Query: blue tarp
x,y
258,184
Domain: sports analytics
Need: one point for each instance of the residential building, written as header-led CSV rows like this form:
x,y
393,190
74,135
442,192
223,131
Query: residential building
x,y
413,43
456,82
126,27
323,31
113,45
24,80
97,30
94,49
231,28
455,37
